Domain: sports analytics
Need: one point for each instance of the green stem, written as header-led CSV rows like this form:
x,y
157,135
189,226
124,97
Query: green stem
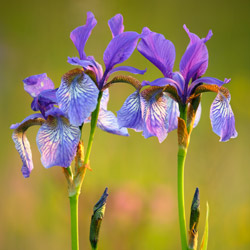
x,y
74,221
94,118
181,205
182,152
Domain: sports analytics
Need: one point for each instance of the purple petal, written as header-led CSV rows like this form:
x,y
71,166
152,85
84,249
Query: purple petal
x,y
128,69
86,64
195,59
21,142
116,25
57,142
157,50
161,82
108,122
130,115
156,111
77,96
35,84
222,118
44,101
80,35
120,49
207,80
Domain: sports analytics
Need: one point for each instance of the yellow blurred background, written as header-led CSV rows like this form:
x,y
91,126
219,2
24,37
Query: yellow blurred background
x,y
141,174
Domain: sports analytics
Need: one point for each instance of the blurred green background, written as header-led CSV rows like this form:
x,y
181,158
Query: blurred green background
x,y
140,174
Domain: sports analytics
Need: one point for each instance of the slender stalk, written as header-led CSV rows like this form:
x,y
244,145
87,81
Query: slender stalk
x,y
74,221
181,204
182,152
94,119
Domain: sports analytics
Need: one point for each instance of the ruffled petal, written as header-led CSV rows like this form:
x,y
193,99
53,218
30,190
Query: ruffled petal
x,y
80,35
120,49
222,118
116,25
35,84
130,115
195,59
157,50
21,142
157,110
57,141
77,96
107,121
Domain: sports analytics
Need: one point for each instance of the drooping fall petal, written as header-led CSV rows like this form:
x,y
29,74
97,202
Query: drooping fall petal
x,y
222,117
21,142
57,140
77,96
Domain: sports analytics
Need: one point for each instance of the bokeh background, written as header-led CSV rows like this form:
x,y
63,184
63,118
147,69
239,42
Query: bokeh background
x,y
141,212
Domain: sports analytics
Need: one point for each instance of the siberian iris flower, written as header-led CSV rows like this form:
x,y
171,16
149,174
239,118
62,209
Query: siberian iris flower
x,y
57,139
155,109
81,90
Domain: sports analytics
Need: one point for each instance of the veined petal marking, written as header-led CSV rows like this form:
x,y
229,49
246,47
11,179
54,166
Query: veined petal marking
x,y
57,141
77,96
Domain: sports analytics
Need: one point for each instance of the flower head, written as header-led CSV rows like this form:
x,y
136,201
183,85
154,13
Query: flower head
x,y
159,105
57,139
118,50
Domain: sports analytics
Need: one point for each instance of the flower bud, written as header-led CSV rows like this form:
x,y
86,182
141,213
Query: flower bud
x,y
96,219
194,220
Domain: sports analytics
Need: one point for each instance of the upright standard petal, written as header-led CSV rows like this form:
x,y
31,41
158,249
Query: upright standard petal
x,y
156,110
120,49
195,59
108,122
77,96
35,84
130,115
80,35
157,50
116,25
222,118
57,140
21,142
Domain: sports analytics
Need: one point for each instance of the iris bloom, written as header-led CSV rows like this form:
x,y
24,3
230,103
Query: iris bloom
x,y
64,110
155,109
57,139
79,100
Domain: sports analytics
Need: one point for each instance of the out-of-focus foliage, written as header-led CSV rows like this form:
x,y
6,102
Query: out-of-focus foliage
x,y
141,212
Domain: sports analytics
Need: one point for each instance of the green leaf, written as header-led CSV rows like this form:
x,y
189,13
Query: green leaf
x,y
205,235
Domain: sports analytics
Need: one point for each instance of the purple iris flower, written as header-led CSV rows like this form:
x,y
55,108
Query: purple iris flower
x,y
155,109
57,139
77,96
